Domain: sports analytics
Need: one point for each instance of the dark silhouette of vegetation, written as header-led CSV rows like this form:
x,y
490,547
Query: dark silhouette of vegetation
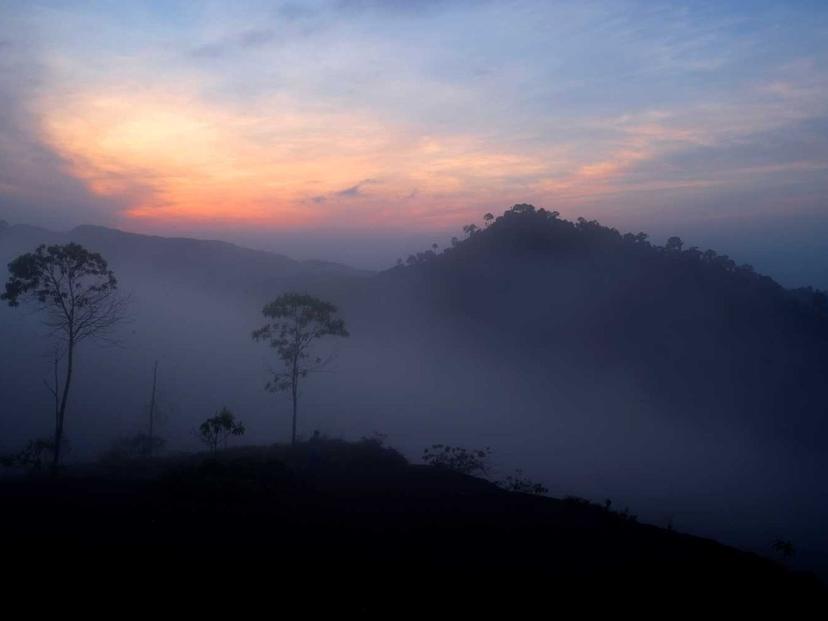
x,y
520,483
365,513
323,453
77,292
217,430
295,322
458,459
34,458
784,548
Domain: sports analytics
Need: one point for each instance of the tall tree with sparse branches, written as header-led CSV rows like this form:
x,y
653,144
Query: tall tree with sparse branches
x,y
295,322
78,294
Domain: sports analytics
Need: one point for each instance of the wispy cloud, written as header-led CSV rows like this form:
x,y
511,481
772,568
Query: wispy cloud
x,y
248,39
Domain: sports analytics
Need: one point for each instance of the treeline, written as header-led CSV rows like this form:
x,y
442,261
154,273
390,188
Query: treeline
x,y
524,228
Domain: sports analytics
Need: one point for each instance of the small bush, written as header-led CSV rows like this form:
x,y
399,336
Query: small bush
x,y
522,484
322,452
35,457
458,459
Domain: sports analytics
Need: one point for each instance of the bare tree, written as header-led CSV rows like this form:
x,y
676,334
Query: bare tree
x,y
77,293
296,321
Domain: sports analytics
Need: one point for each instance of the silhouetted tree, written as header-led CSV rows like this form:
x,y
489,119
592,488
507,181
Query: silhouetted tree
x,y
219,428
78,294
296,321
674,244
487,218
784,548
523,208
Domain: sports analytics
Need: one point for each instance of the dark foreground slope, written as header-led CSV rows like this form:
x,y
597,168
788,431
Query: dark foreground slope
x,y
358,519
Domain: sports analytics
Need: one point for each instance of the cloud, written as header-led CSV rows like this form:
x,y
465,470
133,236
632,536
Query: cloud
x,y
355,190
248,39
268,116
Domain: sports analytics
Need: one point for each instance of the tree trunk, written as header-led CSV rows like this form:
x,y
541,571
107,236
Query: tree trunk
x,y
294,387
152,409
70,355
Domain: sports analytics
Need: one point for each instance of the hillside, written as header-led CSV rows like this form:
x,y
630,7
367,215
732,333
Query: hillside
x,y
357,517
690,328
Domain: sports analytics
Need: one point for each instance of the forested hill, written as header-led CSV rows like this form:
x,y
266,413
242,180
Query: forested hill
x,y
528,235
697,332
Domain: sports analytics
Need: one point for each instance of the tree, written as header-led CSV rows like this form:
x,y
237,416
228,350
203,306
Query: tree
x,y
296,321
77,292
523,208
219,428
674,244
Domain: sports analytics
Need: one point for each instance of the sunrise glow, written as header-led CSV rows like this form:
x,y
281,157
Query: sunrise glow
x,y
375,118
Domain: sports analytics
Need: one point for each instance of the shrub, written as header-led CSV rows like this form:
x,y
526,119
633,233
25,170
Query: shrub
x,y
522,484
458,459
33,458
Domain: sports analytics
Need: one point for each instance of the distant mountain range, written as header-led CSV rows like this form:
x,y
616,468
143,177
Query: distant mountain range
x,y
191,262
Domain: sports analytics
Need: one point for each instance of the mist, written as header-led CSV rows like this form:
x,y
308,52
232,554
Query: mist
x,y
479,357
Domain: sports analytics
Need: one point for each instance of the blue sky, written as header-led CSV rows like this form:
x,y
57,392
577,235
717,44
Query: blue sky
x,y
355,119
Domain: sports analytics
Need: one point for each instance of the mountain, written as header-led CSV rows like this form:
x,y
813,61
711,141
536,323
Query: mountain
x,y
189,263
669,379
695,332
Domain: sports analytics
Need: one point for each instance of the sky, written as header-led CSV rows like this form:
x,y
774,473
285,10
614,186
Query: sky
x,y
353,130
